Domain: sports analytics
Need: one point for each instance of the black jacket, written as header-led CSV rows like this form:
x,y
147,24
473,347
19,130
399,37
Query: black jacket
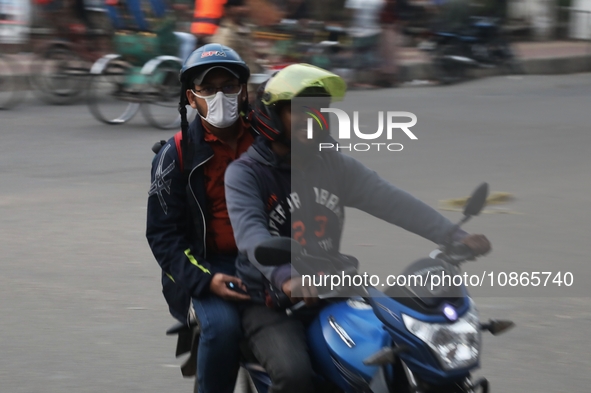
x,y
176,220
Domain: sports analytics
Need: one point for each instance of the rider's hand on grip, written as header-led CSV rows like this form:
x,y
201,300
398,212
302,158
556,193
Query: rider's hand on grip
x,y
479,244
296,291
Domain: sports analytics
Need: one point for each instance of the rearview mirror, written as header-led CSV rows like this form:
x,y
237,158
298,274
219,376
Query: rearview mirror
x,y
497,327
277,251
476,201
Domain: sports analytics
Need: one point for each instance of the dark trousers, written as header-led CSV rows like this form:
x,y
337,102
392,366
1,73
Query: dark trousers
x,y
279,344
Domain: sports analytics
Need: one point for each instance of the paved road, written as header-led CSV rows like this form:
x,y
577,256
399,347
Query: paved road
x,y
81,309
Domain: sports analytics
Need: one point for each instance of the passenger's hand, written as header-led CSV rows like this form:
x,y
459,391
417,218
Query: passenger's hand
x,y
218,286
479,244
294,289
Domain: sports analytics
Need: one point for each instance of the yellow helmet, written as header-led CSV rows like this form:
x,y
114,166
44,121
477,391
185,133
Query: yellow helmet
x,y
287,84
294,79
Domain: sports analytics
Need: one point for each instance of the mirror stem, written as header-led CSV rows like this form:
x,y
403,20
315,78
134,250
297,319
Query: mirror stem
x,y
457,226
463,221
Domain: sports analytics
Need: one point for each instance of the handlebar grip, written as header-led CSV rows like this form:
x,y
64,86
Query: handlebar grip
x,y
460,252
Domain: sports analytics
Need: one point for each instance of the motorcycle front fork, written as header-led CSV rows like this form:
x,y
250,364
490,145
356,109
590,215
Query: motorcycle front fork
x,y
466,386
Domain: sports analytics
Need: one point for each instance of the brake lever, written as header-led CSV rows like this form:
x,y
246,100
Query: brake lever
x,y
455,253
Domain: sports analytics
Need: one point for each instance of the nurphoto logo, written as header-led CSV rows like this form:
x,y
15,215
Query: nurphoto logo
x,y
344,132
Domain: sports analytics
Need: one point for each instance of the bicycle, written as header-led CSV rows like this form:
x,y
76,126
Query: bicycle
x,y
11,91
13,27
59,72
142,74
65,46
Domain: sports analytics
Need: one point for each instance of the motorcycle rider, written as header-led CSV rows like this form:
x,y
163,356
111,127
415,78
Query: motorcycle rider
x,y
187,222
276,188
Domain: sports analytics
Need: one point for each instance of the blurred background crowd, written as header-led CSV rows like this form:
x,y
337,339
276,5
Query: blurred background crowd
x,y
353,38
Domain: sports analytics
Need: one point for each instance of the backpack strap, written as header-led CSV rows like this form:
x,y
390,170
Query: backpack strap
x,y
178,137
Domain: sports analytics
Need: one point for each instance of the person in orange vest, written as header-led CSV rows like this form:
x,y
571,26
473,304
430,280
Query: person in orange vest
x,y
235,33
206,18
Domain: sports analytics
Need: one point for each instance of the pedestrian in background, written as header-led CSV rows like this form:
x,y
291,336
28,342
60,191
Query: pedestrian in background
x,y
233,32
389,44
365,32
206,19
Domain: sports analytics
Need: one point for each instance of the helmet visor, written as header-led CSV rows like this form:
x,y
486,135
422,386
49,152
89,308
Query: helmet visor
x,y
294,79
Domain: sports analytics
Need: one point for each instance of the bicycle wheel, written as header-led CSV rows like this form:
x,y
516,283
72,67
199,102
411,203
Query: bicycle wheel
x,y
58,76
110,98
11,93
161,100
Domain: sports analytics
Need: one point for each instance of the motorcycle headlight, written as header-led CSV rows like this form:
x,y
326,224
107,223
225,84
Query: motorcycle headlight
x,y
456,345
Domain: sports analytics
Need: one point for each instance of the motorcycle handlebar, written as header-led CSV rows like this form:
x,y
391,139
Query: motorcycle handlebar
x,y
454,253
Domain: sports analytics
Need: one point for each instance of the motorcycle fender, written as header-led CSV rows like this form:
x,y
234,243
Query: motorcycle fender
x,y
99,66
350,335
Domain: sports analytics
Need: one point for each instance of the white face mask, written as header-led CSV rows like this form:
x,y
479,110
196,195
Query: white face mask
x,y
222,109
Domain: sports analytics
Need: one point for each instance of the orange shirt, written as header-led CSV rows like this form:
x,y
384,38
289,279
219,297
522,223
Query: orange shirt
x,y
220,237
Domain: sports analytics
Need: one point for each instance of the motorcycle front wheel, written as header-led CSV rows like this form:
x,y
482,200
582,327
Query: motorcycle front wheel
x,y
447,71
505,57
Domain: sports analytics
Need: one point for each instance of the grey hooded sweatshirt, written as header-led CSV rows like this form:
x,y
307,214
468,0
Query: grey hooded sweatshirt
x,y
266,198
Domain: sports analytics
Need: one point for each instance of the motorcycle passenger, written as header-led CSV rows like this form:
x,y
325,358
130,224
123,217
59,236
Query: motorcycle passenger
x,y
188,228
273,190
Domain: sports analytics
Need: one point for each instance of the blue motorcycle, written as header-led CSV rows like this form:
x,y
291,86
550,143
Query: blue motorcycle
x,y
412,338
